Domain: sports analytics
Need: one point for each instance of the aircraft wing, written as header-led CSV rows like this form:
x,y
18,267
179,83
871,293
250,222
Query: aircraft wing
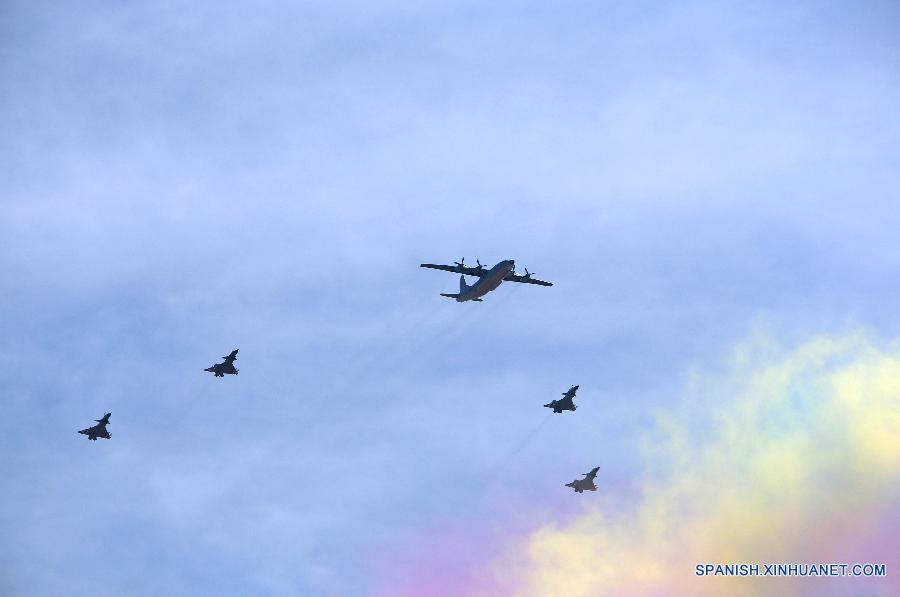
x,y
457,269
525,280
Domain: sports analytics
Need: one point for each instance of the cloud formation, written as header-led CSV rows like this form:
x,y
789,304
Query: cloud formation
x,y
788,457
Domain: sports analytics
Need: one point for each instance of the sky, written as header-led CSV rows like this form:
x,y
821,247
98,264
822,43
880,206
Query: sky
x,y
710,186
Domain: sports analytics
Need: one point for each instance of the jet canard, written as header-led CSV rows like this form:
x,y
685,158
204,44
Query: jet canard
x,y
586,484
220,369
564,403
98,430
488,279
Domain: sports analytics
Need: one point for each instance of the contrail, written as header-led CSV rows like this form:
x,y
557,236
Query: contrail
x,y
518,448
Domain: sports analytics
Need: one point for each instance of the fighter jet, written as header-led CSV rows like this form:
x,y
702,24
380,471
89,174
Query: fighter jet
x,y
586,484
98,430
564,403
489,279
221,369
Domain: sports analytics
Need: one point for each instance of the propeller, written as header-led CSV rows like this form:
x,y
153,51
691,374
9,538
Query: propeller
x,y
479,266
461,262
527,274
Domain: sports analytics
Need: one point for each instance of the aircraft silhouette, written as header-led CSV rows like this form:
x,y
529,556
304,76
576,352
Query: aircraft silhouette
x,y
220,369
98,430
488,279
586,484
564,403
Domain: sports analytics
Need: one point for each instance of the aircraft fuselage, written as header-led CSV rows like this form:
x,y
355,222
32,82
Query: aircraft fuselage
x,y
98,430
490,281
586,484
582,485
221,369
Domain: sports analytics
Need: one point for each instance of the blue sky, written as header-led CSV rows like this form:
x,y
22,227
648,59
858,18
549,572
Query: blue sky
x,y
185,180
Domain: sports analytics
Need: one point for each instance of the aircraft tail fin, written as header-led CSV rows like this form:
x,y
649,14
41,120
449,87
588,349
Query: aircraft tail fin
x,y
462,284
